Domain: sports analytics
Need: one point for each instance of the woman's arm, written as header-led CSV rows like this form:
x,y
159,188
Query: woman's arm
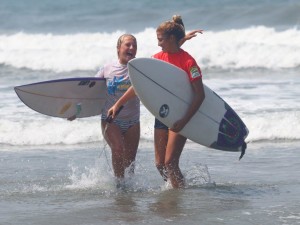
x,y
198,98
189,36
129,94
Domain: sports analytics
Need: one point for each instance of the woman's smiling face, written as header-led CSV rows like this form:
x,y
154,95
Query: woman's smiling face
x,y
127,49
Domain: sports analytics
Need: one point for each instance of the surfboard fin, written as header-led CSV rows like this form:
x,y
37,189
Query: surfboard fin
x,y
243,151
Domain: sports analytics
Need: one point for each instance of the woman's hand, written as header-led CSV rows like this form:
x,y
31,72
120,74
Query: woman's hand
x,y
178,125
192,34
71,118
189,36
113,112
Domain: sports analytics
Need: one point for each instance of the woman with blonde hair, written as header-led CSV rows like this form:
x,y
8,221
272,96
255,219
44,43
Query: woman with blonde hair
x,y
123,133
168,142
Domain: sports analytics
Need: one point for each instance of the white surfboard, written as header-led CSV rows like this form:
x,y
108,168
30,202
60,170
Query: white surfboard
x,y
166,92
83,97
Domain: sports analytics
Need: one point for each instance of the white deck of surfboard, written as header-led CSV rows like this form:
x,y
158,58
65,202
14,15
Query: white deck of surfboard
x,y
65,97
158,83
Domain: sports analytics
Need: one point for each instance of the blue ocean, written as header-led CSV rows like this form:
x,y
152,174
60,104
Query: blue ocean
x,y
58,172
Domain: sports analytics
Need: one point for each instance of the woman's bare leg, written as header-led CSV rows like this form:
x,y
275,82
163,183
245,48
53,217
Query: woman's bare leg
x,y
160,144
174,149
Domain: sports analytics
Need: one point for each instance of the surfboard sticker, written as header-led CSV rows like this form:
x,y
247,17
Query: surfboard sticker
x,y
164,111
65,108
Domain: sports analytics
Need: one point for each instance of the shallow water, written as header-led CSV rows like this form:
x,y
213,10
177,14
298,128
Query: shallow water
x,y
61,185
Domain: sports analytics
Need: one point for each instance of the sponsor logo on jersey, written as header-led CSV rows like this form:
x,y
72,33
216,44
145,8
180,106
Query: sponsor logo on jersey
x,y
195,72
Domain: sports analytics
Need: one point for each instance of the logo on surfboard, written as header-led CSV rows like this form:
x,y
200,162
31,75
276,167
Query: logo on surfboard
x,y
164,111
87,82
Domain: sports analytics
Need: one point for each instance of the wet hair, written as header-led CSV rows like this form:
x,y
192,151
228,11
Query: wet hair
x,y
121,38
174,27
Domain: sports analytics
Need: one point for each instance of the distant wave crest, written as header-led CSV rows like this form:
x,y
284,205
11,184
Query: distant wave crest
x,y
253,47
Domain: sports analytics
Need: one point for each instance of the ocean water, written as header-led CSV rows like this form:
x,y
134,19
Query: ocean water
x,y
53,171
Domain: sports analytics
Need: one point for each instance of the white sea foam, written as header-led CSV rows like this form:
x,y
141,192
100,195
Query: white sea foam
x,y
253,47
49,131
